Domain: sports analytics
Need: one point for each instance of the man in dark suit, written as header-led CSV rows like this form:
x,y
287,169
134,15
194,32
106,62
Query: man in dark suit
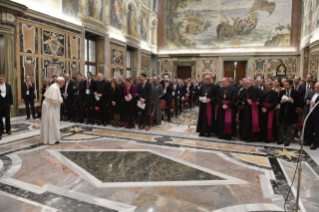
x,y
189,92
312,125
144,92
6,101
90,88
79,93
68,98
27,91
301,90
176,93
167,95
102,97
288,99
261,84
196,92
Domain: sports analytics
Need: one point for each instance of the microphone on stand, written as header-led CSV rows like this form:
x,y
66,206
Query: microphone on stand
x,y
300,155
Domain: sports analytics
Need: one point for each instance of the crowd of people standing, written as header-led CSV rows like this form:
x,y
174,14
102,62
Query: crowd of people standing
x,y
253,105
123,101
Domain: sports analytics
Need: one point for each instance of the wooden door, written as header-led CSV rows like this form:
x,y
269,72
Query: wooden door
x,y
229,68
184,72
240,70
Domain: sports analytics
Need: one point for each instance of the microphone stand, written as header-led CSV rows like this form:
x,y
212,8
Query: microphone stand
x,y
300,156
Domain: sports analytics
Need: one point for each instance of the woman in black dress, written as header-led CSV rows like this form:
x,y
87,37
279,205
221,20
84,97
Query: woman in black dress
x,y
130,102
116,103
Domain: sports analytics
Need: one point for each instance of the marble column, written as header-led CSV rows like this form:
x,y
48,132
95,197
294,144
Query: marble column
x,y
301,63
139,61
107,56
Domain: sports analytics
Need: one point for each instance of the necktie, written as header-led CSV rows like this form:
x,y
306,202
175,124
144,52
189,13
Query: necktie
x,y
89,82
27,85
288,93
143,84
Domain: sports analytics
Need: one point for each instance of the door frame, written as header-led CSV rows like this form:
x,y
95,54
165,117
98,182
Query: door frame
x,y
248,60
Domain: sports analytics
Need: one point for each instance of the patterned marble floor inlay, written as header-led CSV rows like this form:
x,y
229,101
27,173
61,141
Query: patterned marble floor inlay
x,y
135,167
166,169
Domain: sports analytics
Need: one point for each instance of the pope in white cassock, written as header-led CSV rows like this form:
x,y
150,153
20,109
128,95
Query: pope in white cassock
x,y
50,120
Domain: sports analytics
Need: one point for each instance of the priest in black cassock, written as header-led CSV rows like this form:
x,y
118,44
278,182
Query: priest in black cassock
x,y
249,123
268,122
227,110
206,117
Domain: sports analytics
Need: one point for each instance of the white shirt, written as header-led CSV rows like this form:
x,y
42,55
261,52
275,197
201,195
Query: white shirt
x,y
3,90
314,98
66,87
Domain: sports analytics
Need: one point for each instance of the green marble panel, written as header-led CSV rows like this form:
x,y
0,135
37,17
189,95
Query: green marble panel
x,y
135,167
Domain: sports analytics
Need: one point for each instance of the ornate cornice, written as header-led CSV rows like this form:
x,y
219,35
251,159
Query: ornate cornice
x,y
12,7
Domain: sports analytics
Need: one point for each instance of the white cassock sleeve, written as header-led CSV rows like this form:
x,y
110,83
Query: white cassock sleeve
x,y
50,120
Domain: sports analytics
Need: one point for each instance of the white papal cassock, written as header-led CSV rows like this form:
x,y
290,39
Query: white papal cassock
x,y
50,120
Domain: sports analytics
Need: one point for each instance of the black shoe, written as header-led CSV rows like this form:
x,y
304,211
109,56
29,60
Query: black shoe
x,y
208,135
267,142
92,123
27,118
169,120
34,117
87,123
313,147
0,138
176,116
287,143
201,134
248,141
280,142
297,136
99,123
57,142
306,144
105,124
228,137
9,132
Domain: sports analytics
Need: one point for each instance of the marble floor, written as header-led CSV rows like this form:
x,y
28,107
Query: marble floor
x,y
167,169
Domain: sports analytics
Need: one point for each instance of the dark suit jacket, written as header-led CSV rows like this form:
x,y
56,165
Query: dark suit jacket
x,y
309,97
24,91
145,92
302,92
272,98
177,91
92,86
79,91
103,88
70,89
290,107
8,99
264,87
168,95
191,89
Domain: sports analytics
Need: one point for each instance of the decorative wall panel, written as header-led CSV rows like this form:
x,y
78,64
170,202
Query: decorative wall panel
x,y
207,66
50,50
117,61
74,47
266,67
28,38
146,64
53,43
74,68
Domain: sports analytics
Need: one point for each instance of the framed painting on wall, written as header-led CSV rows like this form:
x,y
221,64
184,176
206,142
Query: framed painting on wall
x,y
117,57
281,70
117,72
